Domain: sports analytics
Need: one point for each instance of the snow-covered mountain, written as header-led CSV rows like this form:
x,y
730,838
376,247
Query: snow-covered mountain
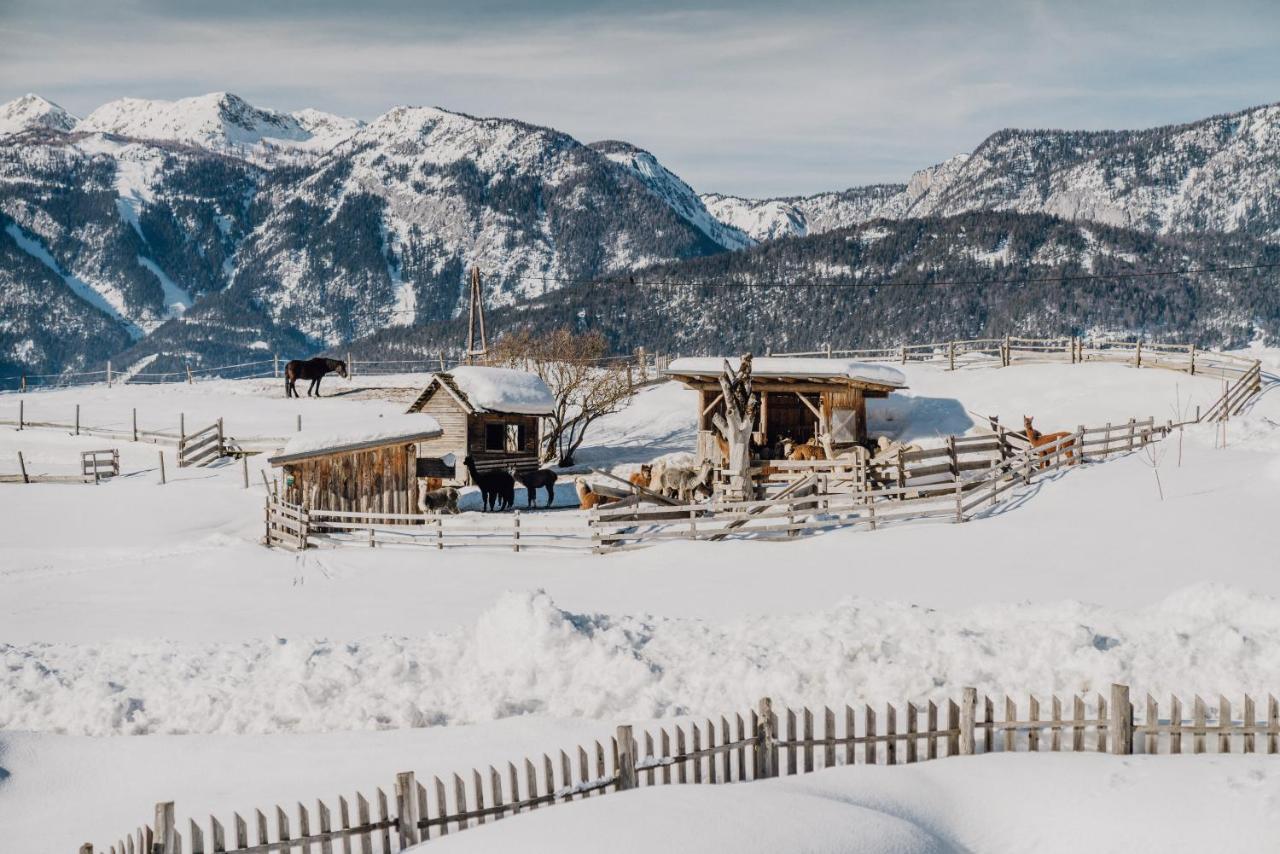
x,y
769,219
31,112
220,122
207,229
1218,174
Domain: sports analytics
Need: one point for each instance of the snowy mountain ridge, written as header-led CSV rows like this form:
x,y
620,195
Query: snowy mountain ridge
x,y
31,112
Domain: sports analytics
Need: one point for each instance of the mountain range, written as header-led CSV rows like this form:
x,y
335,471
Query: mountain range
x,y
207,230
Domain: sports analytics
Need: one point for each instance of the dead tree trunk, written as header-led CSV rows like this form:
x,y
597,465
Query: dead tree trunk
x,y
735,426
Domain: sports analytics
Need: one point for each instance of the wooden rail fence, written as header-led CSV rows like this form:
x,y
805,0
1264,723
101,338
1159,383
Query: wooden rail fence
x,y
738,747
99,464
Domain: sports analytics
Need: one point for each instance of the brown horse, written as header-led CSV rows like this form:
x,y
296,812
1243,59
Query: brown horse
x,y
310,369
1039,440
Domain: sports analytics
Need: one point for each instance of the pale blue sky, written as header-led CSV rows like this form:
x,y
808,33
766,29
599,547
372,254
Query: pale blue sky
x,y
750,98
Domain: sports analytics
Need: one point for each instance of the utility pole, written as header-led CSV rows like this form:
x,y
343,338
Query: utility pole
x,y
476,313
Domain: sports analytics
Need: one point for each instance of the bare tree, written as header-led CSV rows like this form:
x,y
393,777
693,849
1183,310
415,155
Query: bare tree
x,y
585,383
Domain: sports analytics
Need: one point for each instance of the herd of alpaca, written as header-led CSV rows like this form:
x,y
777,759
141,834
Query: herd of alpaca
x,y
681,482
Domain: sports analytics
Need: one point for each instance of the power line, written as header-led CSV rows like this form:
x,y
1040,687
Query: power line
x,y
833,283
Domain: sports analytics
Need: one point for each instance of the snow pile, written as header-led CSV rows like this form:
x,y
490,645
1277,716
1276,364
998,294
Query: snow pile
x,y
996,804
777,366
524,655
504,390
387,428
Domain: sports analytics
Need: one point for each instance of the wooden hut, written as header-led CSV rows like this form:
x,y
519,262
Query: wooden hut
x,y
493,415
366,471
799,398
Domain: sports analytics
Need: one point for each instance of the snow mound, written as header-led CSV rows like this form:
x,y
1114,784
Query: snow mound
x,y
777,366
387,428
525,655
504,390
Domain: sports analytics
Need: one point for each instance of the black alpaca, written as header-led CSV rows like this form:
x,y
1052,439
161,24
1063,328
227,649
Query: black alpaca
x,y
497,488
533,480
310,369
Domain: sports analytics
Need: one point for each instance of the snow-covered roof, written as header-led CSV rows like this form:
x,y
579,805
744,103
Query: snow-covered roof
x,y
779,367
386,430
497,390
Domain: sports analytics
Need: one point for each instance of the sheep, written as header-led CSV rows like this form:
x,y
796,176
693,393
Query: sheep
x,y
444,500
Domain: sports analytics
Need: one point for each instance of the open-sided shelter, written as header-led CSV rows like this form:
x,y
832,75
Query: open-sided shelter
x,y
799,398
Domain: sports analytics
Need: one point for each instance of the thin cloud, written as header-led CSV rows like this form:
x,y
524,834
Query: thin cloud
x,y
748,99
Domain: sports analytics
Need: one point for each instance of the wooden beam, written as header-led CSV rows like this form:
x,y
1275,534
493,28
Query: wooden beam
x,y
812,408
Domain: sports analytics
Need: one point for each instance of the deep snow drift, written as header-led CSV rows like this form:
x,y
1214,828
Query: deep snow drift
x,y
131,608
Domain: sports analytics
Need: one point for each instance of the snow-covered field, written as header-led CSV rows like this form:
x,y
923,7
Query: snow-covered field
x,y
152,649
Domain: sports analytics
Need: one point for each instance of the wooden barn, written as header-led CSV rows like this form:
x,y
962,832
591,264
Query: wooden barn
x,y
366,471
493,415
799,398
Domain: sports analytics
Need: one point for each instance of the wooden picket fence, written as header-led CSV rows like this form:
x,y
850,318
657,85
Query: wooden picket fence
x,y
823,499
738,747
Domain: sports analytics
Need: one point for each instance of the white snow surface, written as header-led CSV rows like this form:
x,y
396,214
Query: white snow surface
x,y
994,804
381,428
503,390
778,366
144,631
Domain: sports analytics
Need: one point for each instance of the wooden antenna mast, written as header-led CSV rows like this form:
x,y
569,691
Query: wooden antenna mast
x,y
476,313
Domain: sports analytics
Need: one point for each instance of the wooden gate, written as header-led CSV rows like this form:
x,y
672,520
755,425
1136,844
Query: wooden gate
x,y
202,447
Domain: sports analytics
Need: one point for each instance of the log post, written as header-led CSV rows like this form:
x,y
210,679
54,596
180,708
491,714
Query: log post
x,y
161,453
21,413
904,354
23,385
1191,352
77,419
951,355
244,465
22,465
108,373
959,499
351,367
189,378
135,424
406,808
968,711
299,427
1138,355
515,531
766,747
164,841
627,778
1121,723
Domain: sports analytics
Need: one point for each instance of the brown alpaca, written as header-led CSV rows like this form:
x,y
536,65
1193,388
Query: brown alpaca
x,y
808,451
642,477
587,499
1038,439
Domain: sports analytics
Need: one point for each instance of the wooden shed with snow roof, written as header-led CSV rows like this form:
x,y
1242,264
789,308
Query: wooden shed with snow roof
x,y
493,415
799,398
364,470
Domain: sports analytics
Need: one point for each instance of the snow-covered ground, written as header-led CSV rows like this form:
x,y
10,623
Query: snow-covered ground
x,y
139,621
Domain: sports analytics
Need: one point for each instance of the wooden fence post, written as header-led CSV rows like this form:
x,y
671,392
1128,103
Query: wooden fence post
x,y
626,759
135,424
1191,369
189,379
21,414
407,808
515,531
959,499
951,355
164,842
161,453
766,748
276,366
108,373
244,464
77,419
1121,724
968,711
1138,355
23,466
351,367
